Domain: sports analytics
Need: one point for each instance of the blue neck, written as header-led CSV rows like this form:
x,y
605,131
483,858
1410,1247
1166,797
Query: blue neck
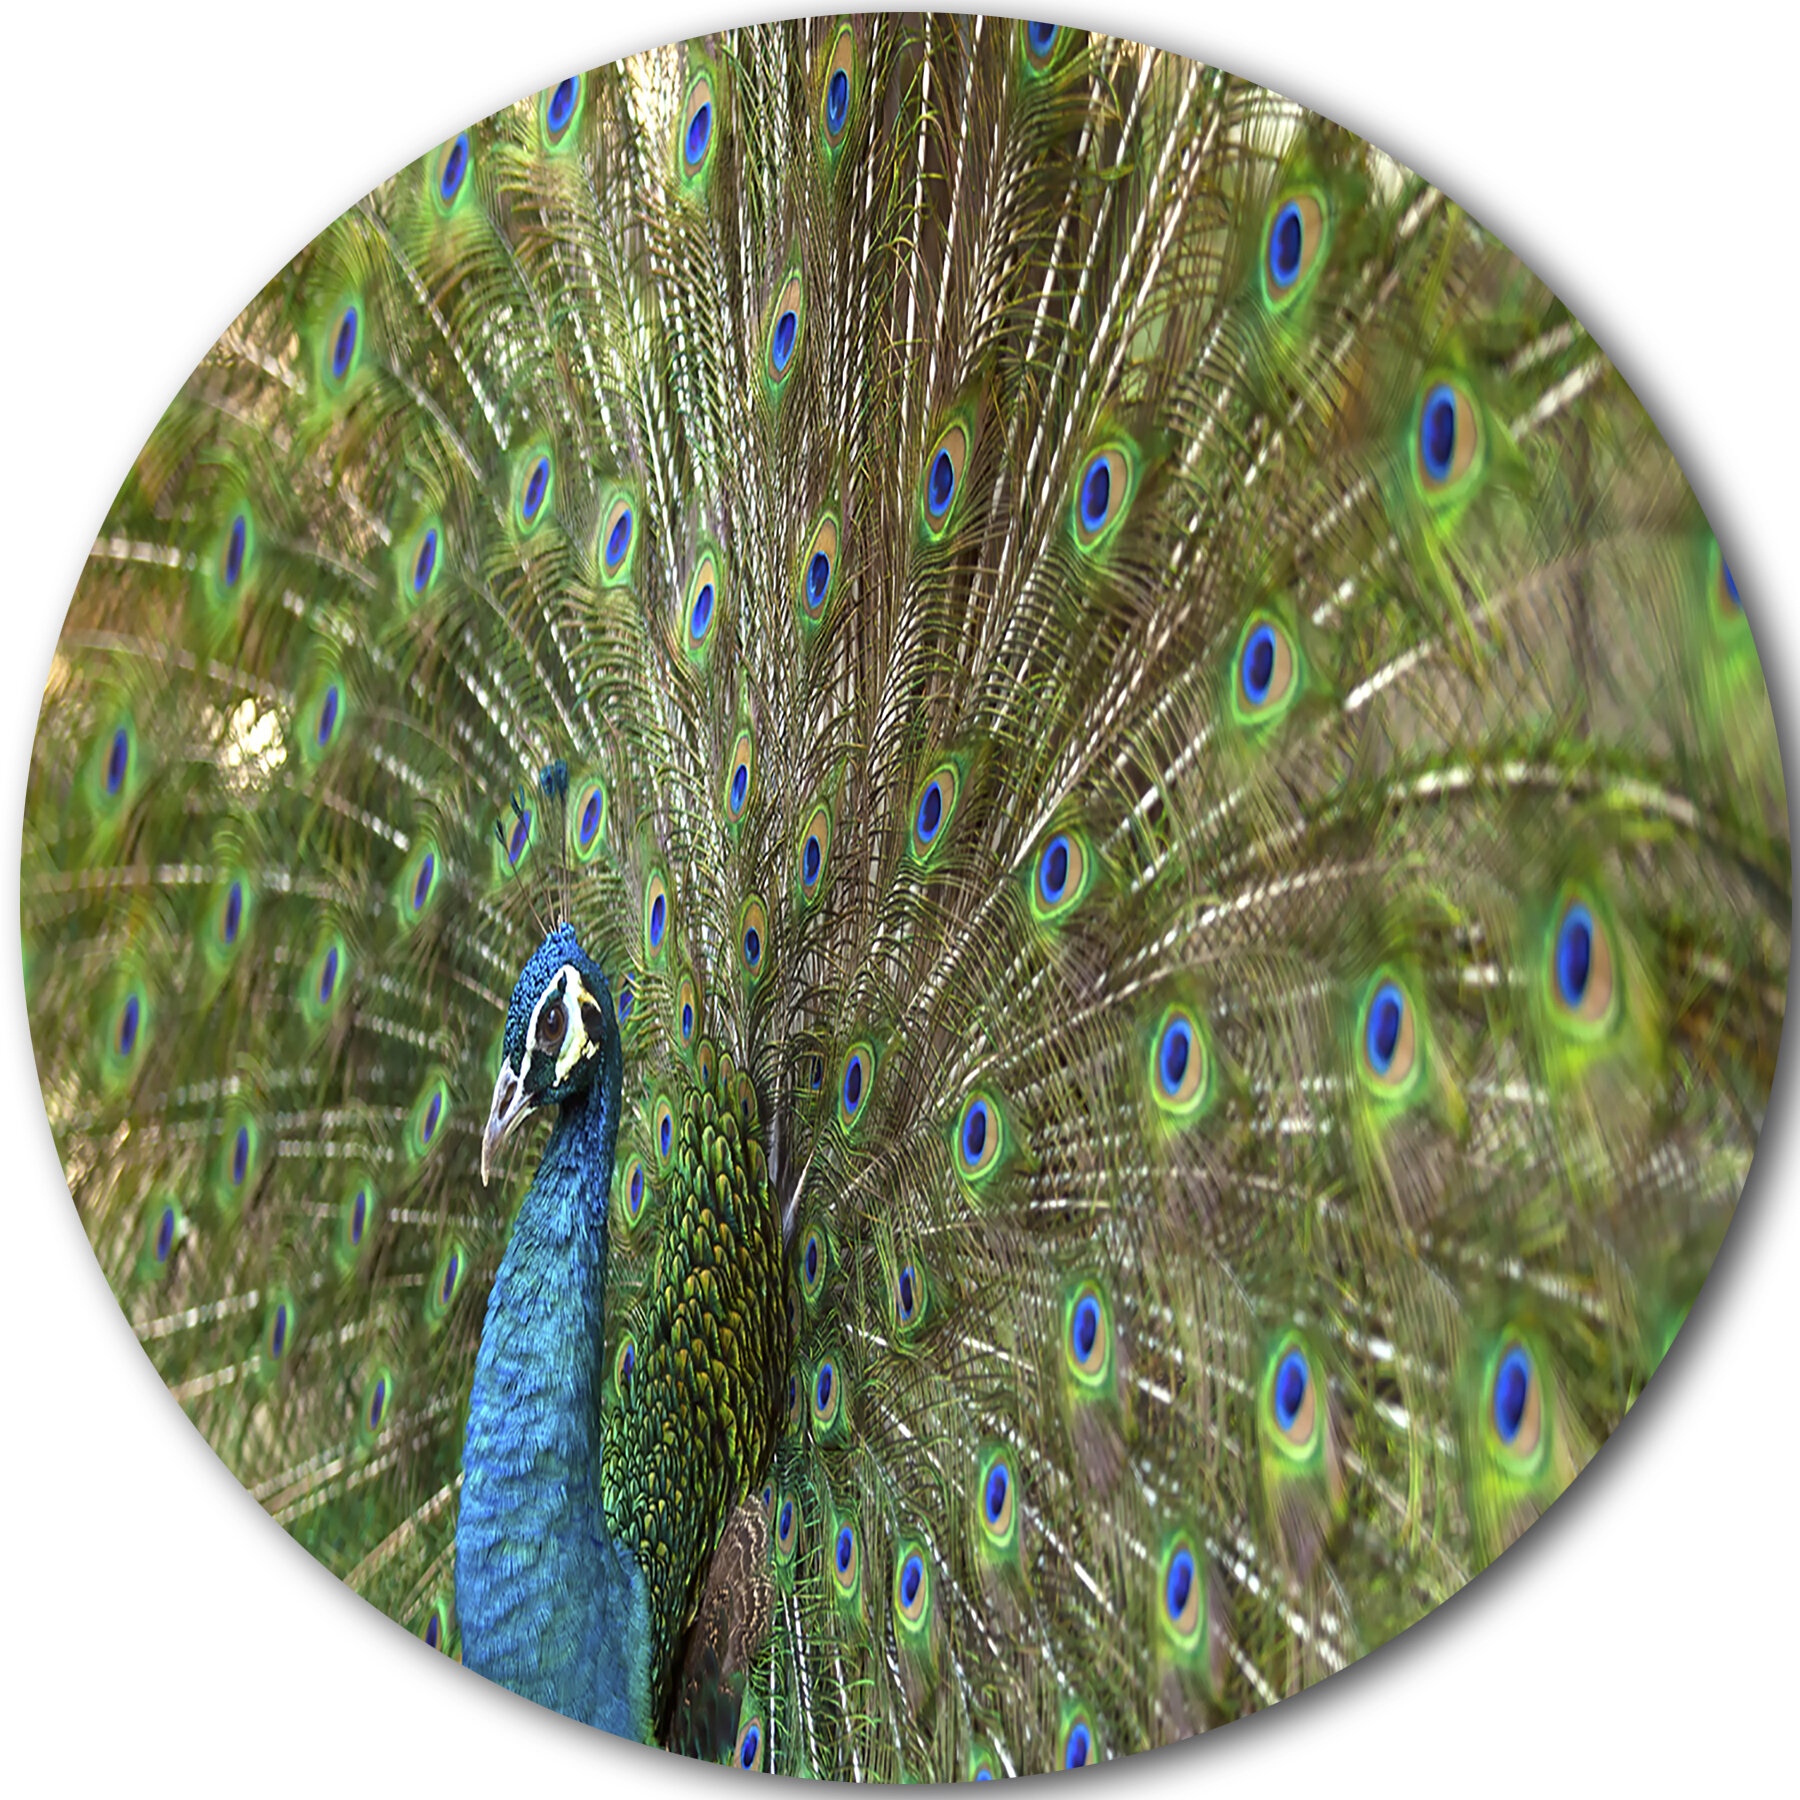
x,y
549,1605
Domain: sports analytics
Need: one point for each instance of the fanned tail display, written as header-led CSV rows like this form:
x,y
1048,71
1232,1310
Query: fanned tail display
x,y
1100,773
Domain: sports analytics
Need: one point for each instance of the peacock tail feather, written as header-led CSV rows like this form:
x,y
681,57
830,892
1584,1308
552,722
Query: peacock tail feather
x,y
1176,816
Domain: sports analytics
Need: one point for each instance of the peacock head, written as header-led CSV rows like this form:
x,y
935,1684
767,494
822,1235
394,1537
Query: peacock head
x,y
560,1038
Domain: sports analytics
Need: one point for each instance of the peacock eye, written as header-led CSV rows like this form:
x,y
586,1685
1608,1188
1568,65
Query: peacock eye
x,y
553,1021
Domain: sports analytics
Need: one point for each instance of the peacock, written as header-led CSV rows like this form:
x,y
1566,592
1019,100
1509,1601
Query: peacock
x,y
906,897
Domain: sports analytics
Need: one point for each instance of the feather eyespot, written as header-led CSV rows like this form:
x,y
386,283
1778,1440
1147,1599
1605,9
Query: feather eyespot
x,y
787,1528
634,1190
1180,1064
1061,877
560,107
1726,601
663,1123
437,1630
125,1040
1040,42
344,343
424,880
696,132
784,330
425,562
998,1509
1582,974
980,1137
1264,671
827,1396
625,1363
1078,1743
834,105
534,491
118,760
452,170
236,552
753,931
933,810
813,849
1516,1401
687,1008
943,475
167,1221
1387,1040
279,1321
656,916
748,1753
231,919
1290,1397
846,1562
627,999
912,1589
381,1394
854,1083
1102,495
589,817
705,590
812,1265
1181,1593
817,568
740,775
1448,438
616,530
1292,246
428,1116
1087,1335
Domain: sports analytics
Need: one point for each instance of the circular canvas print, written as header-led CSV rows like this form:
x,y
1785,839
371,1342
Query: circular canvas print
x,y
906,898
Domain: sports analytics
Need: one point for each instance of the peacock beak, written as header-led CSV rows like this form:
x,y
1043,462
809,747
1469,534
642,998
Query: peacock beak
x,y
512,1105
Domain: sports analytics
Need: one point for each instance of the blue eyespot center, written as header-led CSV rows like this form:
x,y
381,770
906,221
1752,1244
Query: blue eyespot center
x,y
234,550
378,1401
1180,1586
562,106
240,1156
628,1361
1382,1039
853,1085
128,1025
1259,664
433,1113
941,485
752,1739
1730,583
687,1021
1575,955
1291,1381
975,1132
1287,240
165,1234
1096,494
590,821
425,562
328,973
1080,1746
637,1188
536,487
931,812
359,1215
1512,1387
328,715
912,1578
994,1498
118,759
1053,870
344,345
1437,432
1084,1328
812,1260
752,946
908,1295
740,786
432,1630
809,861
422,884
781,346
823,1390
657,916
619,539
984,1773
701,616
234,911
1040,35
665,1135
449,1287
698,132
786,1524
846,1549
1172,1055
837,101
818,579
626,997
456,164
278,1333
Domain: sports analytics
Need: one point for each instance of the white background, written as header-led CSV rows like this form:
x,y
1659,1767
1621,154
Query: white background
x,y
157,1630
